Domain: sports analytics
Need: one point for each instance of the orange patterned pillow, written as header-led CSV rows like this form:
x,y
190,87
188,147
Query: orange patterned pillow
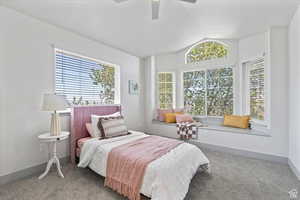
x,y
161,114
170,117
179,113
237,121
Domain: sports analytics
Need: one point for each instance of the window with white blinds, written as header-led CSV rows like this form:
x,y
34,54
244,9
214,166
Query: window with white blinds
x,y
255,76
84,81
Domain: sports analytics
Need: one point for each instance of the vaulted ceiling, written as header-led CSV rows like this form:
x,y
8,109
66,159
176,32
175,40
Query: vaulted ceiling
x,y
128,25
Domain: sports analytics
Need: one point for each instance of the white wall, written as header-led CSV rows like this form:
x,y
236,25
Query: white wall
x,y
149,88
252,47
278,95
274,44
294,90
29,72
2,87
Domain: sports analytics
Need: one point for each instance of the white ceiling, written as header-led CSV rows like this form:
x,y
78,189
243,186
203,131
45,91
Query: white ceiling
x,y
128,25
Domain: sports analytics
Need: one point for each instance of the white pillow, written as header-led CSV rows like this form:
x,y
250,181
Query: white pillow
x,y
95,119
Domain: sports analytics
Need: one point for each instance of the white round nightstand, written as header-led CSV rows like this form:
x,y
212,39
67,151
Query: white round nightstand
x,y
53,139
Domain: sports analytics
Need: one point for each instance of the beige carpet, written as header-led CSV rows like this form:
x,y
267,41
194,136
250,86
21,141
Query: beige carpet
x,y
233,178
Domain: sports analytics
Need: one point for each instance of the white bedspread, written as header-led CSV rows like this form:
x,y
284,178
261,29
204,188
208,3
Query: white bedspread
x,y
165,178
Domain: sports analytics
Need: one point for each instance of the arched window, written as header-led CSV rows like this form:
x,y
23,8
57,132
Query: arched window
x,y
206,50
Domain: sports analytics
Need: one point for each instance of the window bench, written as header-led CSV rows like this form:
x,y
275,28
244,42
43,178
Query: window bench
x,y
221,128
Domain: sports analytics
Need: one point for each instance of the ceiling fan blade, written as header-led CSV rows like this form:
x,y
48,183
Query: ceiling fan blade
x,y
119,1
190,1
155,9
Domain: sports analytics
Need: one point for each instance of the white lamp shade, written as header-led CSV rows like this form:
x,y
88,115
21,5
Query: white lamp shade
x,y
52,102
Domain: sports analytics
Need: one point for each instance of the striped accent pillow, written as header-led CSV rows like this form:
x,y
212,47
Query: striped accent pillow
x,y
95,119
112,127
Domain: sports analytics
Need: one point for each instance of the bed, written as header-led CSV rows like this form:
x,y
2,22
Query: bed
x,y
167,177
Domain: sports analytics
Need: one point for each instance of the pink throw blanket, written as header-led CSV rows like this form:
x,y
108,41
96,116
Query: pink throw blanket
x,y
126,164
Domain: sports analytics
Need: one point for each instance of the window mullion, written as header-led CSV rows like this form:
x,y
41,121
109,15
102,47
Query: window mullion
x,y
218,90
206,92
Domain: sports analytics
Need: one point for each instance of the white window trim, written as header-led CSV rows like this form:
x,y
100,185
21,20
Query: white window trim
x,y
205,69
174,88
245,102
117,72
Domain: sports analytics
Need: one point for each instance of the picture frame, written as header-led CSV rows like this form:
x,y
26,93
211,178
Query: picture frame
x,y
133,87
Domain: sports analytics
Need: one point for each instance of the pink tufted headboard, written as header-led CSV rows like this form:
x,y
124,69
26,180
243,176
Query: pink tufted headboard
x,y
82,115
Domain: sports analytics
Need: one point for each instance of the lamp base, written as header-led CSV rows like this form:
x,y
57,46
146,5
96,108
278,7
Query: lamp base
x,y
55,124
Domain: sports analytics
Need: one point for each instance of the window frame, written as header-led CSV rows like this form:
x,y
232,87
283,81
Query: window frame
x,y
245,97
117,89
204,41
206,69
173,92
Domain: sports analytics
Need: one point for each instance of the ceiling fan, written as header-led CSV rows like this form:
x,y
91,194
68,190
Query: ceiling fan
x,y
155,6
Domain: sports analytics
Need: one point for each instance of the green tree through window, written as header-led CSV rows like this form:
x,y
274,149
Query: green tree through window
x,y
195,92
105,78
206,51
209,92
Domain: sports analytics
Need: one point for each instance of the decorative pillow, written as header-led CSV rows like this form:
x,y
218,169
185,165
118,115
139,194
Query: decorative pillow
x,y
236,121
89,128
184,118
161,114
179,113
170,117
95,119
112,127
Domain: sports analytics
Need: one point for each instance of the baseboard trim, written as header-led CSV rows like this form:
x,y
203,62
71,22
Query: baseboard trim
x,y
29,172
294,169
245,153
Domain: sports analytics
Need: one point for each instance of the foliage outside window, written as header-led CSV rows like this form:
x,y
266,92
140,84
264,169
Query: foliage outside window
x,y
166,90
256,77
105,78
194,85
206,51
84,81
209,92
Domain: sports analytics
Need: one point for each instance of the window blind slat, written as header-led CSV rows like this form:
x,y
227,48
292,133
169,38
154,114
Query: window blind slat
x,y
73,79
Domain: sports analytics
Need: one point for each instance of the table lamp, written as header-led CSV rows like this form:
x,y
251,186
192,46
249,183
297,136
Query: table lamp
x,y
53,102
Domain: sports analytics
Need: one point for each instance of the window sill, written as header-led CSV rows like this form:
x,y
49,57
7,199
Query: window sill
x,y
154,121
220,128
